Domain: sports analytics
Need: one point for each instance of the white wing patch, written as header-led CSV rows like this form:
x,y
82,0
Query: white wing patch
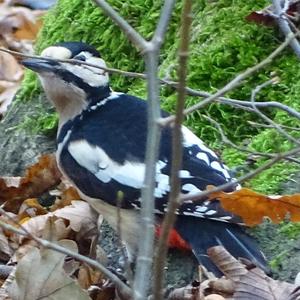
x,y
104,168
217,166
190,139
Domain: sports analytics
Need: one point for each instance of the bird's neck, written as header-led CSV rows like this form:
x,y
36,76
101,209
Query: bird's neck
x,y
98,94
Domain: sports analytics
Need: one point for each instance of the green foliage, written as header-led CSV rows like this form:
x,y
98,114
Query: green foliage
x,y
223,44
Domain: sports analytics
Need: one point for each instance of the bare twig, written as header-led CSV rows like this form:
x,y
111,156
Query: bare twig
x,y
264,117
131,33
280,9
235,82
228,142
151,52
255,124
175,183
146,248
121,286
242,104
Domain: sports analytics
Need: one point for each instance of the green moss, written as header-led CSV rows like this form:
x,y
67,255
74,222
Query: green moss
x,y
223,44
269,181
291,230
42,124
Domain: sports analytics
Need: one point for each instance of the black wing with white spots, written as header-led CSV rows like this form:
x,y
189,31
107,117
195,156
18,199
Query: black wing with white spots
x,y
103,152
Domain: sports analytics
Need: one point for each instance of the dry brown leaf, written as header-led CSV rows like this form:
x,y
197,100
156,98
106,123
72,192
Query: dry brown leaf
x,y
30,26
5,249
30,208
88,276
188,292
230,266
80,215
106,292
38,225
252,207
22,22
66,196
6,284
22,250
222,286
11,74
253,283
38,179
7,96
265,17
10,69
40,274
256,285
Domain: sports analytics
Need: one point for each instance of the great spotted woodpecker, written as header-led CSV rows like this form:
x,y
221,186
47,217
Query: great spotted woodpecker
x,y
101,145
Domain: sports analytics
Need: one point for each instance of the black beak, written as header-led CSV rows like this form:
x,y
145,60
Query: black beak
x,y
39,65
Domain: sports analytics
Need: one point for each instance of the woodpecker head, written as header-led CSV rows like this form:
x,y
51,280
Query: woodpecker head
x,y
71,87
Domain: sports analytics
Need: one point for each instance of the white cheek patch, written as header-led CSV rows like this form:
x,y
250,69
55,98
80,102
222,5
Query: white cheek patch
x,y
57,52
92,76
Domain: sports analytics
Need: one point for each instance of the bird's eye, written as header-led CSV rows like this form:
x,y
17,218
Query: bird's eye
x,y
80,57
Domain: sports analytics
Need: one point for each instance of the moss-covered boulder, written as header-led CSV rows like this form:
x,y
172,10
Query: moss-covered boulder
x,y
223,44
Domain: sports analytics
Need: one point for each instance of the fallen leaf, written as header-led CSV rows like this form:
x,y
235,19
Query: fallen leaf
x,y
252,207
38,179
229,265
10,69
250,282
81,216
88,276
7,96
188,292
20,21
40,275
5,249
65,196
256,285
265,17
222,286
37,225
30,208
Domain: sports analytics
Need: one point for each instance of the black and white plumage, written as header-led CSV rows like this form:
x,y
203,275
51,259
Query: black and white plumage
x,y
101,149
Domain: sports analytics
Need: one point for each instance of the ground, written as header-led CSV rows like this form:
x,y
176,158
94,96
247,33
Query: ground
x,y
223,44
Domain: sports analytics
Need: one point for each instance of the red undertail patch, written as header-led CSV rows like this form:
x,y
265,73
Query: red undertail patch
x,y
175,240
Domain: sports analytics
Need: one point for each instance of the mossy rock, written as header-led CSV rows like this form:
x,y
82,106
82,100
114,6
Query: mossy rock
x,y
223,44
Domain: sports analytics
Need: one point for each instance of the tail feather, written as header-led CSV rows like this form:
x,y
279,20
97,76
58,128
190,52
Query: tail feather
x,y
202,234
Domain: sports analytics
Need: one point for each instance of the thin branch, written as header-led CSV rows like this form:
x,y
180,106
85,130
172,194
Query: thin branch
x,y
255,124
284,24
237,81
174,202
241,104
264,117
202,195
162,25
131,33
146,247
228,142
121,286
